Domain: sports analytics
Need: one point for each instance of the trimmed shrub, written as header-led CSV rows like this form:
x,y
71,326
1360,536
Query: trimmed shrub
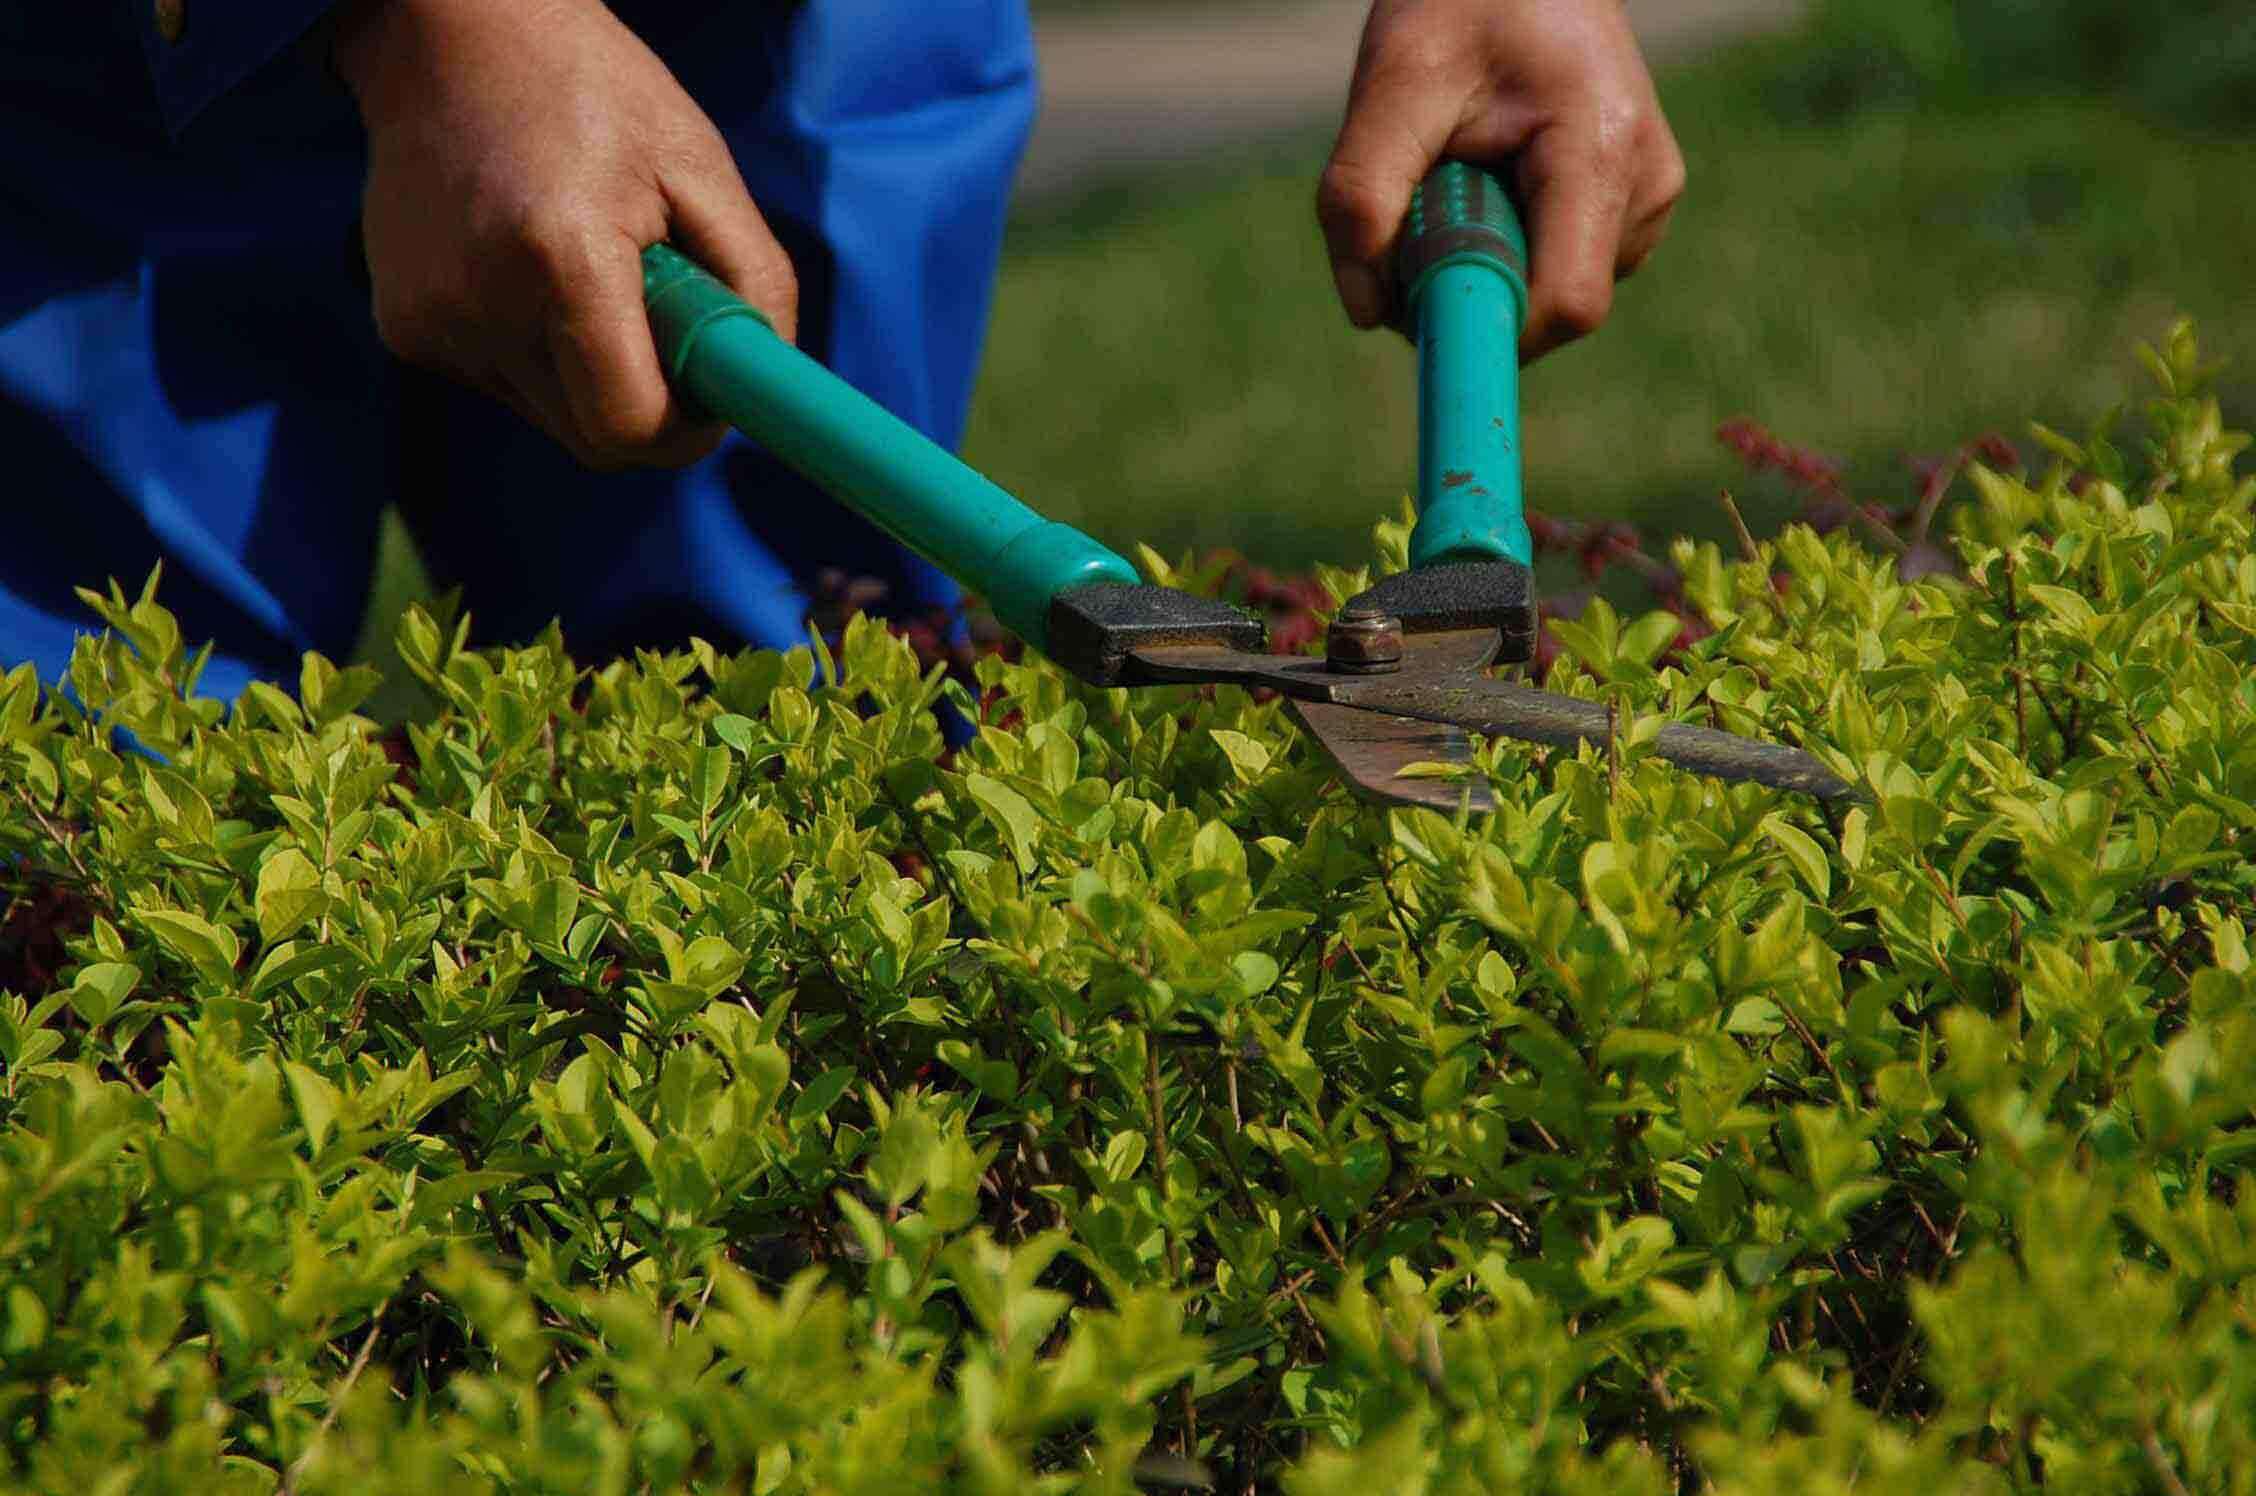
x,y
675,1076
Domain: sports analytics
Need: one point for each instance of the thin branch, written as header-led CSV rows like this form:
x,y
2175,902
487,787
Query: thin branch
x,y
337,1398
1402,921
1889,539
1402,1210
1154,1094
1817,1051
69,844
2020,673
1938,488
1739,524
2163,1470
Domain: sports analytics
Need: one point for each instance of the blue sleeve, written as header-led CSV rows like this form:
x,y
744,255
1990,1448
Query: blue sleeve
x,y
199,49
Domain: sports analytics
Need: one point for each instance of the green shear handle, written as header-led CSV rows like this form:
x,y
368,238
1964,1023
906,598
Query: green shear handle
x,y
1465,292
1462,268
725,357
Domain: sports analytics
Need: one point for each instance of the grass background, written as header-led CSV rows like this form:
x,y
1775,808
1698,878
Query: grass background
x,y
1166,362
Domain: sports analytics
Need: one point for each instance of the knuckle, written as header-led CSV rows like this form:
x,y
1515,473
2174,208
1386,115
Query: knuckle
x,y
1581,309
556,264
774,279
689,445
604,441
703,148
692,151
1347,197
619,432
413,331
556,245
1668,180
397,330
1412,57
783,301
1616,152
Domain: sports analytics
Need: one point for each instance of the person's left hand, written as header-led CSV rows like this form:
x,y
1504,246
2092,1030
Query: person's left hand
x,y
1552,92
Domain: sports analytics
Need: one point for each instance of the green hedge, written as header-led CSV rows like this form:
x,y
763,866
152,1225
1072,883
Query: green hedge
x,y
668,1077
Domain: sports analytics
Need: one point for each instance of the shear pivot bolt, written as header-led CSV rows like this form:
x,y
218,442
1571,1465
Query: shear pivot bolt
x,y
1364,641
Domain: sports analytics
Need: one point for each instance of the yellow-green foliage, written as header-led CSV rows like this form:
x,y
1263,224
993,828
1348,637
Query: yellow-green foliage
x,y
680,1078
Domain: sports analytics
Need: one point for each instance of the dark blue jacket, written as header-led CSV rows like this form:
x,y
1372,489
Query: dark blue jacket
x,y
188,370
219,44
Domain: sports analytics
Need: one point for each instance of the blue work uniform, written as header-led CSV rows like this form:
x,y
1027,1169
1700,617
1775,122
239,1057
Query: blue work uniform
x,y
189,370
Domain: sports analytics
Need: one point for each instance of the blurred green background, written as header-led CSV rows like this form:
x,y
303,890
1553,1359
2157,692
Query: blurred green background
x,y
1909,222
1888,245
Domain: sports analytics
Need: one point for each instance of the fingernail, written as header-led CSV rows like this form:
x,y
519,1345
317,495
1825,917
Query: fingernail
x,y
1358,292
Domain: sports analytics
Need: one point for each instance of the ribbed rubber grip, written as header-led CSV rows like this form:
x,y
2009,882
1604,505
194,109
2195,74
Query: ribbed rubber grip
x,y
1460,214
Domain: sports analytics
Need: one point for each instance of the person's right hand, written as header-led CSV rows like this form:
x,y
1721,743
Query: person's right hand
x,y
522,153
1553,90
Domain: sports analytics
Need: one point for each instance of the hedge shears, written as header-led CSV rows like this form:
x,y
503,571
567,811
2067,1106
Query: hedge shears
x,y
1404,677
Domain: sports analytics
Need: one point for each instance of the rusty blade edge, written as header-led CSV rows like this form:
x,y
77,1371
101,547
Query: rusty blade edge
x,y
1502,709
1370,749
1456,696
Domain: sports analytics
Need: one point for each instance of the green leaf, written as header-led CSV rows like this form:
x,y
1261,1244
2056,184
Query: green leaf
x,y
211,949
101,989
1248,759
1802,853
554,906
317,1101
435,1198
1623,1255
289,894
998,1079
288,961
685,1187
1124,1155
2070,607
1625,1044
26,1325
1643,641
735,731
1007,809
710,964
672,1003
710,781
330,693
821,1094
690,834
1251,974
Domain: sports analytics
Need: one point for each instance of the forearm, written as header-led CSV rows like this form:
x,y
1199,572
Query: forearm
x,y
384,50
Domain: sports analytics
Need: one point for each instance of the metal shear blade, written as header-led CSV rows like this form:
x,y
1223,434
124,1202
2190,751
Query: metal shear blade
x,y
1371,749
1373,726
